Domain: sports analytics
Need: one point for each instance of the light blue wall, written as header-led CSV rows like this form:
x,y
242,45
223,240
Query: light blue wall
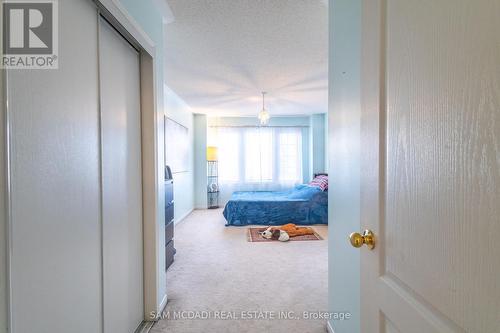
x,y
177,110
344,131
200,161
276,121
317,159
150,20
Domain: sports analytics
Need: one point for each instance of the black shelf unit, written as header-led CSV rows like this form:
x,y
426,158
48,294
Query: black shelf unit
x,y
212,190
169,219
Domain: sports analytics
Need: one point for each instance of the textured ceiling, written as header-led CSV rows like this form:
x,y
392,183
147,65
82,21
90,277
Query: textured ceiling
x,y
220,54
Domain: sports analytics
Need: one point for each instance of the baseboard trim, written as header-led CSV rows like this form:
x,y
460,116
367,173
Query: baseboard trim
x,y
163,303
145,327
179,220
329,327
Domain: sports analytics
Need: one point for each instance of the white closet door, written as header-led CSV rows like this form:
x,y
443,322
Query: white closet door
x,y
55,249
121,182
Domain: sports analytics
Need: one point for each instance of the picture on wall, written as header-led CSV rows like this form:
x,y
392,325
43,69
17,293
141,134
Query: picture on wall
x,y
176,146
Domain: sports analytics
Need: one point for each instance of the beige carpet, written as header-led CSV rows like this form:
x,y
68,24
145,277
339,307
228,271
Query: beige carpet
x,y
218,274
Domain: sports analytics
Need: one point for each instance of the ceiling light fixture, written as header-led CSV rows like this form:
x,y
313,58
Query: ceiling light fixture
x,y
263,114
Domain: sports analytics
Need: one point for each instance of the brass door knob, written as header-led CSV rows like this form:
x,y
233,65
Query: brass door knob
x,y
367,238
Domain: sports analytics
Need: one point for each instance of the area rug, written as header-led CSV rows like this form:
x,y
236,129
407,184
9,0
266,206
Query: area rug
x,y
253,235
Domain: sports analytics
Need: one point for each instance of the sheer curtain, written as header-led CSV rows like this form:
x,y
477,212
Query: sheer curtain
x,y
258,158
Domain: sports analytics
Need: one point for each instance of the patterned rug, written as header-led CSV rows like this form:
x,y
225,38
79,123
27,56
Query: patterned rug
x,y
253,235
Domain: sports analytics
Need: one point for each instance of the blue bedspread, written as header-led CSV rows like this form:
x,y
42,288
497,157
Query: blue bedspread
x,y
303,205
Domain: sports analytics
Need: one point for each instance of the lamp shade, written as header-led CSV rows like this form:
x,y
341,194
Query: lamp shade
x,y
211,153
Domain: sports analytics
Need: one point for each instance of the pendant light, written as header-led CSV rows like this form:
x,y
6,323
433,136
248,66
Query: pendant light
x,y
263,114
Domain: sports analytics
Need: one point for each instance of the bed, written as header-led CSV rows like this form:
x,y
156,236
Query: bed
x,y
304,205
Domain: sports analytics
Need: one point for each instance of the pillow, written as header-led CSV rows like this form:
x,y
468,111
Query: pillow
x,y
321,182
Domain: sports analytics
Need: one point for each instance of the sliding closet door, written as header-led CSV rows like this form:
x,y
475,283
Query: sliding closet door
x,y
55,251
121,182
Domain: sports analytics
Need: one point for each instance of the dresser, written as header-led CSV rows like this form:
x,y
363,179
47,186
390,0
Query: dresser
x,y
169,223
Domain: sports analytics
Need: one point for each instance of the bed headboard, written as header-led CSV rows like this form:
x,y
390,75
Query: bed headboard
x,y
320,174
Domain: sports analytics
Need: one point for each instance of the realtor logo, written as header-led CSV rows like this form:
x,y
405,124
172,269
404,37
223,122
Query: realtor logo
x,y
29,34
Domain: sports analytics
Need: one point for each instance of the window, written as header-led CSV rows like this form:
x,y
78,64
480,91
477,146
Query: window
x,y
257,155
289,157
228,155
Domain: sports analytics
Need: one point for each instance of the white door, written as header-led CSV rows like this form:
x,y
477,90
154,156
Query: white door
x,y
121,182
431,166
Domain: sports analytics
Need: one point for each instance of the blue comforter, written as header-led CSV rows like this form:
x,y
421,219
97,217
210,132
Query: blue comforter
x,y
303,205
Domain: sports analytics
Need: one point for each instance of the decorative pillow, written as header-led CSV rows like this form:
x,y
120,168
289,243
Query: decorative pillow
x,y
321,182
